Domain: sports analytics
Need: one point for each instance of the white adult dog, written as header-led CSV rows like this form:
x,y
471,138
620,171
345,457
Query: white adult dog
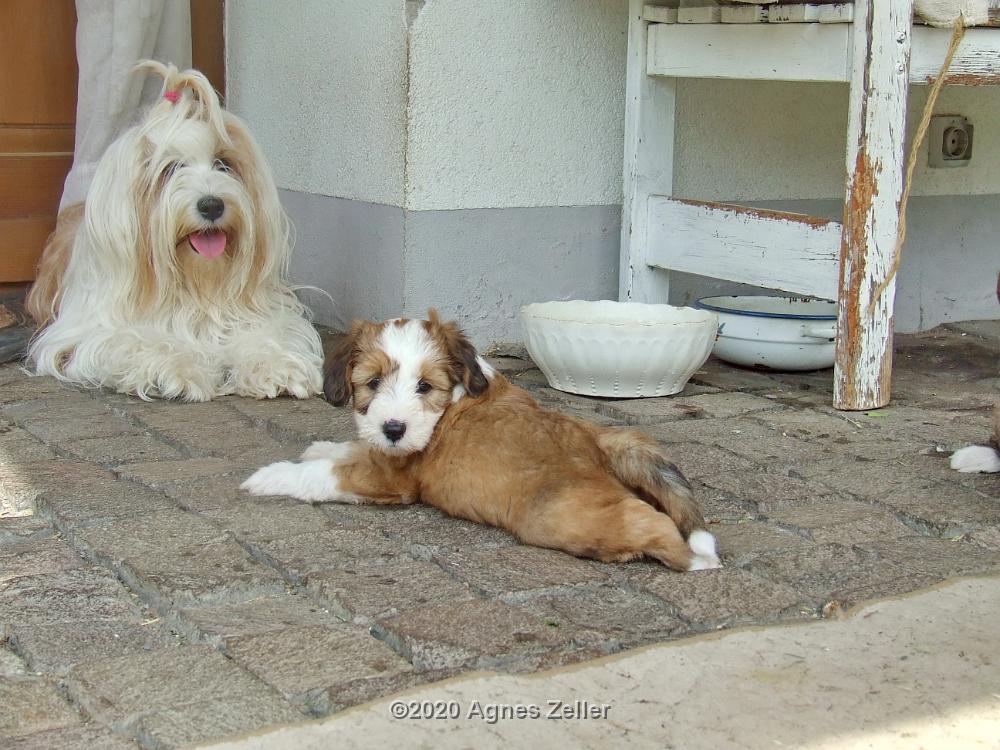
x,y
167,282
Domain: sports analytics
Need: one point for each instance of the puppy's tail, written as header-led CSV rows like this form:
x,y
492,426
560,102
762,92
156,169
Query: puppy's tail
x,y
641,464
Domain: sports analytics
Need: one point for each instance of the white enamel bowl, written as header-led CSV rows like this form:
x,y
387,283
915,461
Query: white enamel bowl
x,y
774,332
617,349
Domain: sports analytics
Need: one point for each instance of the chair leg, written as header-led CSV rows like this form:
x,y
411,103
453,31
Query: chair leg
x,y
875,138
648,164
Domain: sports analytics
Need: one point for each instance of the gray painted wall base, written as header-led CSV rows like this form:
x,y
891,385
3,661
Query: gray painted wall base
x,y
350,249
476,265
480,265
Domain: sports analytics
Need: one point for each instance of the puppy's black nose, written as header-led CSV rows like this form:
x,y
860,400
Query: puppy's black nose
x,y
394,430
211,207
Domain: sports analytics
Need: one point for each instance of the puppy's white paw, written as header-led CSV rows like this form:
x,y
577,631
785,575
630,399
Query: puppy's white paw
x,y
326,449
703,545
976,458
310,480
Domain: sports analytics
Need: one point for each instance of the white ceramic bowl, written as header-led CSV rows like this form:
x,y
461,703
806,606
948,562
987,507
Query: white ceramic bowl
x,y
777,333
617,349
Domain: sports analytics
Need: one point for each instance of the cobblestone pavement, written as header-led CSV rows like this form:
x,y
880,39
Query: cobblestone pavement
x,y
145,600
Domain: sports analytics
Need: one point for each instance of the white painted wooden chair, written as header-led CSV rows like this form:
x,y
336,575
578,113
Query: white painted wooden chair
x,y
879,54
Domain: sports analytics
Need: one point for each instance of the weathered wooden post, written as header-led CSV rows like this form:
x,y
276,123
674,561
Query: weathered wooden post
x,y
875,139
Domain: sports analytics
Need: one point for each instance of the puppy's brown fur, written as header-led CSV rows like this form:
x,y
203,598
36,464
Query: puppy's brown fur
x,y
497,457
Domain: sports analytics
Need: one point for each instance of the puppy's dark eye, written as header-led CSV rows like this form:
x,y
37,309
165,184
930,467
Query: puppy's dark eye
x,y
374,383
222,165
423,387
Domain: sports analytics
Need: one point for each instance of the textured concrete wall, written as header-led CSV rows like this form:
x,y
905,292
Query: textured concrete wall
x,y
481,265
323,85
516,103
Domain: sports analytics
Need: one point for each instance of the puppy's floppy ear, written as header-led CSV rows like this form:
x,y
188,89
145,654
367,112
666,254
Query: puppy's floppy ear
x,y
337,386
462,354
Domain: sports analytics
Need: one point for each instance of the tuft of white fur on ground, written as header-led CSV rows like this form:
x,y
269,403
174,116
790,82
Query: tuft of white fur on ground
x,y
976,458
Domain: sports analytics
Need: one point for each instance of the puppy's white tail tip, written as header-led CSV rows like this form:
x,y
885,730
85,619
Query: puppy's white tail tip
x,y
976,458
702,562
703,545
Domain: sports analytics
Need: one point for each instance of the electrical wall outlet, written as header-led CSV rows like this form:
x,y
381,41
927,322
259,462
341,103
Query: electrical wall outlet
x,y
949,141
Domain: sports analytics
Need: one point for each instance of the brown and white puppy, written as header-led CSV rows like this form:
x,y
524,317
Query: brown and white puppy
x,y
438,424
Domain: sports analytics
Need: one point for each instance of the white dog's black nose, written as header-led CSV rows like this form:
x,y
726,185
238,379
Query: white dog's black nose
x,y
394,430
211,207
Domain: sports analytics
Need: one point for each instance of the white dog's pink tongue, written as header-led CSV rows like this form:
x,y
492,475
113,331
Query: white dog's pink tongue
x,y
208,244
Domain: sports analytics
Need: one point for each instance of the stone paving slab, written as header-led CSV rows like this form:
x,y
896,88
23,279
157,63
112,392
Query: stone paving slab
x,y
724,598
21,484
17,530
337,655
175,696
217,624
512,571
84,593
20,447
162,606
37,558
458,635
92,503
609,618
57,648
89,736
30,704
371,591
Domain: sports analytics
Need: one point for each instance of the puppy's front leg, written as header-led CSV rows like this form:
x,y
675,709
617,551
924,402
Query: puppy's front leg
x,y
314,481
334,472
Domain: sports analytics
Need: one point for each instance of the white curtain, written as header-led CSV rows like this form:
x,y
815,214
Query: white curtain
x,y
111,36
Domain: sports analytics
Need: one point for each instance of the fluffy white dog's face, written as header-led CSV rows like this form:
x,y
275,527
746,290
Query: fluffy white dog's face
x,y
186,202
199,201
403,375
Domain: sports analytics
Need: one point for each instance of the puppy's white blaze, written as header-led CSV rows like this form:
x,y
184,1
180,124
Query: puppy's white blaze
x,y
702,543
410,347
310,480
326,449
976,458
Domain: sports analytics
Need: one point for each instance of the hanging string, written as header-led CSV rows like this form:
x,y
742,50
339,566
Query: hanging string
x,y
925,121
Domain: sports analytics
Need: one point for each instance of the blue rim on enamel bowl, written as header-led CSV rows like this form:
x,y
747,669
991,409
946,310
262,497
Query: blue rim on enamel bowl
x,y
703,304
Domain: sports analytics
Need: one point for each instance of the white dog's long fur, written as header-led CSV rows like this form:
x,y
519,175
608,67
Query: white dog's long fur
x,y
133,307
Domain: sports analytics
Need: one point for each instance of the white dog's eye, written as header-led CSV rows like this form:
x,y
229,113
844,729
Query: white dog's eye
x,y
423,387
374,383
168,171
222,165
